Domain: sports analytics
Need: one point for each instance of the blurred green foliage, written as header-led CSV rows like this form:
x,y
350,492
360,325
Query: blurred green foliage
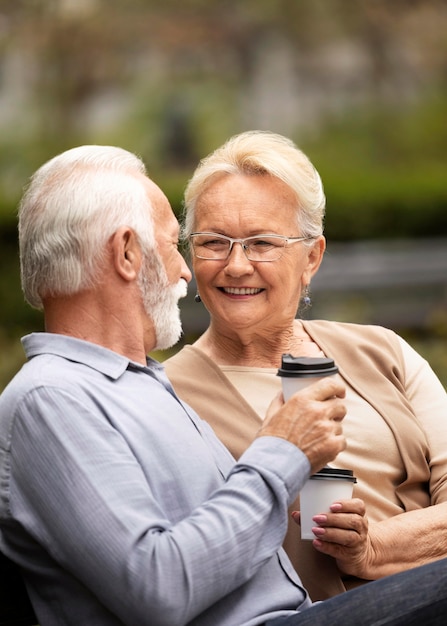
x,y
384,173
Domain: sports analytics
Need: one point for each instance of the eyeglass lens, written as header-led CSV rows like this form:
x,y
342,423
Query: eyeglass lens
x,y
265,248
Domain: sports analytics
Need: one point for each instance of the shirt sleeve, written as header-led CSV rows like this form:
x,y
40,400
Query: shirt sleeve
x,y
429,401
112,520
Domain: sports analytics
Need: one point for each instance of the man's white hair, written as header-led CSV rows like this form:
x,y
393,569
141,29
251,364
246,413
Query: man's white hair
x,y
71,207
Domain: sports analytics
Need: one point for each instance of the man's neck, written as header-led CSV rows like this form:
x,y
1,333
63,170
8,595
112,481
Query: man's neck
x,y
87,317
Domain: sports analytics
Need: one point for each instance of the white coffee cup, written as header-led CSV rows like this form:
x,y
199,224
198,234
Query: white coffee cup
x,y
298,372
327,486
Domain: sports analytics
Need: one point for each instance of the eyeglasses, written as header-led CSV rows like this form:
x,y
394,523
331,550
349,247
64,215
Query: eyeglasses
x,y
214,247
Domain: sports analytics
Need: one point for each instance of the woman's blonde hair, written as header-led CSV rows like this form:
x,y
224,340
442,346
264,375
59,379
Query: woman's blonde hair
x,y
261,153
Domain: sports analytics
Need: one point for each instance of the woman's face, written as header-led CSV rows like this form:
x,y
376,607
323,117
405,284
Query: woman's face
x,y
240,293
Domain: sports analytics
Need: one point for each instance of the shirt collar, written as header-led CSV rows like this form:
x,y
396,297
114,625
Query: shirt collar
x,y
97,357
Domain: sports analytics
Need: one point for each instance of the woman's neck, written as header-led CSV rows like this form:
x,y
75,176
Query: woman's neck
x,y
245,348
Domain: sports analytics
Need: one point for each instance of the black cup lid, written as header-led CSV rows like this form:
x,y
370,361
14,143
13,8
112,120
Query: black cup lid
x,y
333,473
306,366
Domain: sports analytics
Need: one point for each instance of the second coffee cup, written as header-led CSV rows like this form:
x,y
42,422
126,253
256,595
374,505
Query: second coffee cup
x,y
320,491
298,372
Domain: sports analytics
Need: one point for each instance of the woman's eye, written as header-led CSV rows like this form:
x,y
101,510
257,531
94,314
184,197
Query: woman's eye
x,y
215,242
261,243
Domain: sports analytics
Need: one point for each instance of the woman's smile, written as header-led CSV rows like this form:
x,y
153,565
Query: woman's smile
x,y
241,291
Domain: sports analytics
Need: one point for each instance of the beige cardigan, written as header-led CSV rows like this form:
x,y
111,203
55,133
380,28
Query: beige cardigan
x,y
370,360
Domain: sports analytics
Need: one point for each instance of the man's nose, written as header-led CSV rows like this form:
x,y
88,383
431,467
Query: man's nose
x,y
185,271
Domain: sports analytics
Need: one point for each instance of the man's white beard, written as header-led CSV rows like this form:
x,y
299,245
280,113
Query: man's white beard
x,y
160,300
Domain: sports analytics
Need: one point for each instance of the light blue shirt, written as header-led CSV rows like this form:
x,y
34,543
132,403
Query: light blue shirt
x,y
123,507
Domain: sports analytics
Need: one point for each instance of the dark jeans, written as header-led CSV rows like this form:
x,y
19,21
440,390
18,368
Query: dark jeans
x,y
417,596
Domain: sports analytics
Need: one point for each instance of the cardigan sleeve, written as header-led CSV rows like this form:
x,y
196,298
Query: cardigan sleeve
x,y
429,401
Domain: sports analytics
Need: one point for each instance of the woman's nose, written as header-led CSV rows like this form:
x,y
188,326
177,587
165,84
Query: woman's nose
x,y
237,262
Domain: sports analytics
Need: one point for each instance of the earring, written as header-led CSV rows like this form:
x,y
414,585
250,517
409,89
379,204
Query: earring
x,y
197,298
306,296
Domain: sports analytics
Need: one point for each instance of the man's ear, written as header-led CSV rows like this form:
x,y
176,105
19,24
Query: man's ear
x,y
126,253
314,258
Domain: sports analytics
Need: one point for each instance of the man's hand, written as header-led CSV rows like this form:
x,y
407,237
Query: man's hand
x,y
311,420
343,534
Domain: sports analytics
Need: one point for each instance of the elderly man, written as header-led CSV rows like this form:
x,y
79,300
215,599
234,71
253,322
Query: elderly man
x,y
118,503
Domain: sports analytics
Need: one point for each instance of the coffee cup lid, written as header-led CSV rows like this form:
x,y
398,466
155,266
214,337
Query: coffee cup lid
x,y
331,473
306,366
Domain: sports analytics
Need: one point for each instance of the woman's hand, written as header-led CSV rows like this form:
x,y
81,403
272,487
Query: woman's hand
x,y
371,551
343,534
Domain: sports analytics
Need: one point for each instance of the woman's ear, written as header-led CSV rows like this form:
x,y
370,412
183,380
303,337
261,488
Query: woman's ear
x,y
314,258
126,251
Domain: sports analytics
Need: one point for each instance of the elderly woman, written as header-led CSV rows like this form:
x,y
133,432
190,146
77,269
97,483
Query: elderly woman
x,y
254,220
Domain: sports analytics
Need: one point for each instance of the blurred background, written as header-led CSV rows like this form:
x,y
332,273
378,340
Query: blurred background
x,y
360,86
